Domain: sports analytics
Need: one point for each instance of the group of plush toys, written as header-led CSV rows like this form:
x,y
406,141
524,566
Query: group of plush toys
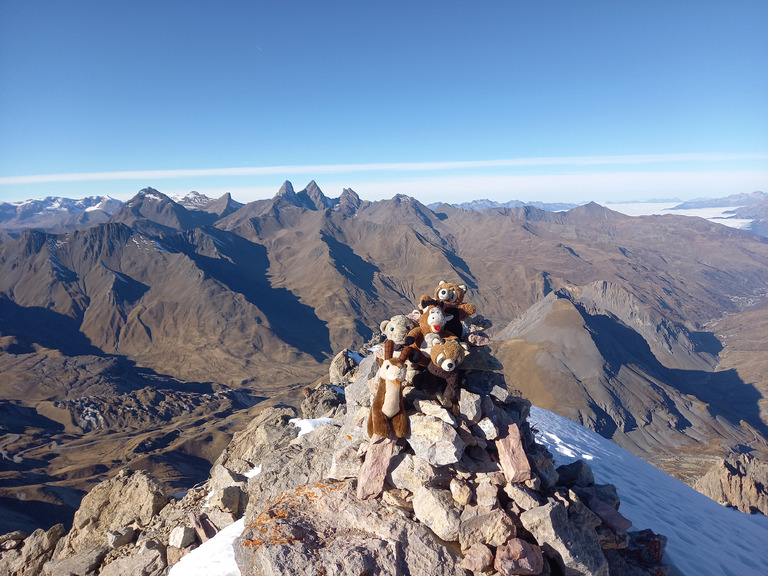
x,y
430,337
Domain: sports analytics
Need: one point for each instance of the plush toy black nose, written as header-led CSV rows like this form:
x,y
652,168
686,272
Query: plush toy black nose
x,y
449,365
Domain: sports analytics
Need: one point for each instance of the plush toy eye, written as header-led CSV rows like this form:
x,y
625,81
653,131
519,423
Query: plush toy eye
x,y
392,329
442,294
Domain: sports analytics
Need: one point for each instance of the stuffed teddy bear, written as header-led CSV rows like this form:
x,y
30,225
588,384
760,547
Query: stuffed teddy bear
x,y
388,403
452,297
397,328
446,355
431,327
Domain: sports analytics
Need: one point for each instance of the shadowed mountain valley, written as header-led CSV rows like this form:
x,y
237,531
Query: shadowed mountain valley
x,y
147,339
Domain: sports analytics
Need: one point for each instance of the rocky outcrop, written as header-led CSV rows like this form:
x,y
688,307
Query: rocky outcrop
x,y
452,495
22,555
468,489
739,482
130,498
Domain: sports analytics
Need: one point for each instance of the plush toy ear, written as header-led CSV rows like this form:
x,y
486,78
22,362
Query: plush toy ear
x,y
389,349
465,346
441,282
383,325
463,287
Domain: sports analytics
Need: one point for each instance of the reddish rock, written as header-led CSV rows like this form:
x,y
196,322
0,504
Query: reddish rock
x,y
478,558
512,457
370,482
609,515
518,557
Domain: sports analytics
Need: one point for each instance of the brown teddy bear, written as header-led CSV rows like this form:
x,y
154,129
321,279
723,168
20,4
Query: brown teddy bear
x,y
446,355
452,297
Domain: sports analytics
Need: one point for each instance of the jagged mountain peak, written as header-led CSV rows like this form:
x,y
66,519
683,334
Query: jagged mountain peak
x,y
286,190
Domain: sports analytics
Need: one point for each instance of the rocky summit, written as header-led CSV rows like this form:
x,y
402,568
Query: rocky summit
x,y
468,490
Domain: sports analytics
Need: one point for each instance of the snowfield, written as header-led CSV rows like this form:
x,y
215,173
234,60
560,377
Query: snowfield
x,y
704,538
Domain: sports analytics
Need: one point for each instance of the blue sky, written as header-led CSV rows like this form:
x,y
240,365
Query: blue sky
x,y
554,101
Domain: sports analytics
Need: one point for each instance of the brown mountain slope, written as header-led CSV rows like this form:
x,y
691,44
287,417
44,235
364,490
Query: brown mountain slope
x,y
595,370
261,299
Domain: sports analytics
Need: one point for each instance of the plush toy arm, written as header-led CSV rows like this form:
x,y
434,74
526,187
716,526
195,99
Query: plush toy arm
x,y
466,309
378,423
400,420
413,336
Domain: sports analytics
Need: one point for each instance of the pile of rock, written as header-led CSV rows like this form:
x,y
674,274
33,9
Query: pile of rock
x,y
468,489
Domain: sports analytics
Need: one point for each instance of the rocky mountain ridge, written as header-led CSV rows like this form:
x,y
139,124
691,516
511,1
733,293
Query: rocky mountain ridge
x,y
258,299
319,504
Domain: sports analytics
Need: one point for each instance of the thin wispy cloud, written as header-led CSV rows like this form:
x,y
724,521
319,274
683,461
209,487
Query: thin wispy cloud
x,y
576,161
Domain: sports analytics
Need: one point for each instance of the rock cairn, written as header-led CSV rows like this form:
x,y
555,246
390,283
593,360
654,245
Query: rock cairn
x,y
468,491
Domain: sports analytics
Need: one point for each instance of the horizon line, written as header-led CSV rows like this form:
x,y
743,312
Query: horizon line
x,y
381,167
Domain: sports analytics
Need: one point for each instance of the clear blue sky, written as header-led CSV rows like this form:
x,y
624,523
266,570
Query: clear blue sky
x,y
557,100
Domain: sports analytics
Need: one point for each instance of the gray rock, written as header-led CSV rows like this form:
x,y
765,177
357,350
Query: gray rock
x,y
434,440
32,554
358,393
576,473
470,406
84,563
543,466
181,537
487,429
487,494
606,493
268,432
435,509
346,463
306,461
341,367
130,497
410,472
492,529
325,529
321,402
148,559
461,492
571,534
12,540
228,499
739,481
524,497
434,408
117,538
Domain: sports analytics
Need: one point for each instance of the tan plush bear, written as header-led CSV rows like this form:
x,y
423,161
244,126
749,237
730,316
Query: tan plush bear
x,y
452,297
388,403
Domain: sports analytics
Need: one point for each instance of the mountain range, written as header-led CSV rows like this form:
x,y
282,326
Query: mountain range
x,y
169,320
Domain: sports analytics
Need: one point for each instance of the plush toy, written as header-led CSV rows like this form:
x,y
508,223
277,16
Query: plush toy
x,y
446,355
431,327
397,328
388,403
452,297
